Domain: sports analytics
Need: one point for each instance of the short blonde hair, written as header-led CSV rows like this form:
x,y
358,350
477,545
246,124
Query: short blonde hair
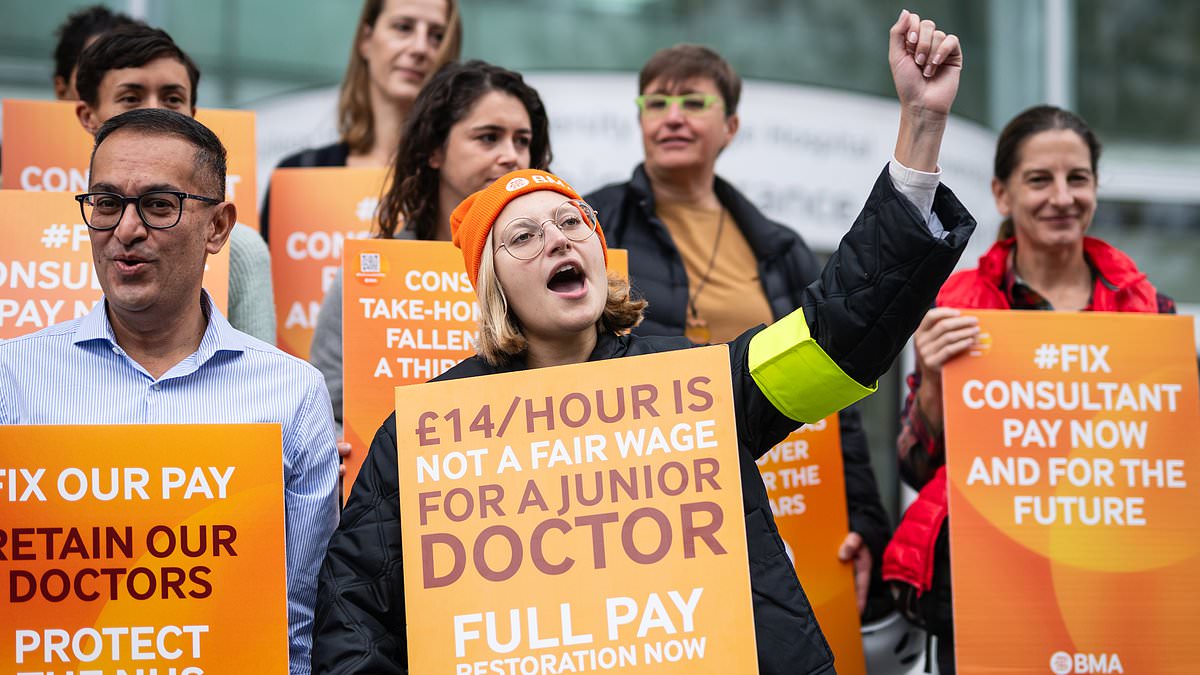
x,y
356,121
500,336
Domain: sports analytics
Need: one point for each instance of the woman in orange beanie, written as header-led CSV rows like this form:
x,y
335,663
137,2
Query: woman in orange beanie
x,y
538,258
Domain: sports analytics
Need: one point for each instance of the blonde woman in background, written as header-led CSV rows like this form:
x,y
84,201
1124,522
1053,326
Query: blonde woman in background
x,y
399,45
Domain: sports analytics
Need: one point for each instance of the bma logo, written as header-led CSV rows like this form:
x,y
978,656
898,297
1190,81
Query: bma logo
x,y
547,179
1062,663
516,184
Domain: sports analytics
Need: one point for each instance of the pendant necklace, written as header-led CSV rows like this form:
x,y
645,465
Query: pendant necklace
x,y
697,328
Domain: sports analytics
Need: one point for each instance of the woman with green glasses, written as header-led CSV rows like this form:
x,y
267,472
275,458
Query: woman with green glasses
x,y
712,265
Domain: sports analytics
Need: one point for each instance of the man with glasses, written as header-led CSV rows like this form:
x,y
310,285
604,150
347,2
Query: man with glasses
x,y
156,351
712,265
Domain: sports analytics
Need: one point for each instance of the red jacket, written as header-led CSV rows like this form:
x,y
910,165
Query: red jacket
x,y
1119,287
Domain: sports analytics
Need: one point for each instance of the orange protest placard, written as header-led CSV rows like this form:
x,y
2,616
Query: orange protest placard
x,y
148,548
409,314
576,518
807,490
46,271
47,150
1070,441
313,213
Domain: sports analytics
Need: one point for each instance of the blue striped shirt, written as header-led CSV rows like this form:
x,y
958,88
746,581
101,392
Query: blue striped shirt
x,y
76,373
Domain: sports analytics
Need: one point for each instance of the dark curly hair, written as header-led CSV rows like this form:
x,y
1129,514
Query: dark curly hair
x,y
443,102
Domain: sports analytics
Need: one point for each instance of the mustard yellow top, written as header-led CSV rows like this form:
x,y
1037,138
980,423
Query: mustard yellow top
x,y
732,299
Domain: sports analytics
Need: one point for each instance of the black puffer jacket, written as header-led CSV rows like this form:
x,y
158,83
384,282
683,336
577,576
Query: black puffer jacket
x,y
786,266
869,299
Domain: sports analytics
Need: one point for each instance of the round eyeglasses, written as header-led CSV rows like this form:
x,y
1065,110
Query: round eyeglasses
x,y
158,209
524,238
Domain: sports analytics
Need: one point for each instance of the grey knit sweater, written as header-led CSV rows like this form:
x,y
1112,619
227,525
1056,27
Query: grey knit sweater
x,y
251,298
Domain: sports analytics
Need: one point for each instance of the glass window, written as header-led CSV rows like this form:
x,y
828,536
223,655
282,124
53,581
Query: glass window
x,y
1162,238
1137,68
249,51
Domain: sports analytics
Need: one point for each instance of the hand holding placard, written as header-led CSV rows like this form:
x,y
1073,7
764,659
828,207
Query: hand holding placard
x,y
1068,438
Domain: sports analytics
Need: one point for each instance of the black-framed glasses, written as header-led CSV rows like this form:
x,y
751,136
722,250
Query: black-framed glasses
x,y
524,238
158,209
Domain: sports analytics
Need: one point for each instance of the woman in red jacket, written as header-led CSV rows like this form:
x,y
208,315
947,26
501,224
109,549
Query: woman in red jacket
x,y
1044,184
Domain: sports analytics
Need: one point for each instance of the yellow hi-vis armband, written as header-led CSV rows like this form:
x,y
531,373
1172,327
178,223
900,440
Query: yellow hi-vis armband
x,y
796,375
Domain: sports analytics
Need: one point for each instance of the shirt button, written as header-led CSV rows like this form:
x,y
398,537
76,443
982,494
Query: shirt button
x,y
117,351
156,386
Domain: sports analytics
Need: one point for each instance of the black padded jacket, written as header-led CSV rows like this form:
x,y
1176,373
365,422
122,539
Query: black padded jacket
x,y
868,300
786,266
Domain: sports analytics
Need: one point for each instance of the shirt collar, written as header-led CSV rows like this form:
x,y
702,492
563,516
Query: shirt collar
x,y
219,336
1021,295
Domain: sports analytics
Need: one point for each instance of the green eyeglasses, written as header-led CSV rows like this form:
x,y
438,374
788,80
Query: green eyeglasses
x,y
689,104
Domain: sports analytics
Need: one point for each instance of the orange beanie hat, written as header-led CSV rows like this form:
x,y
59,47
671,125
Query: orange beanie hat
x,y
472,219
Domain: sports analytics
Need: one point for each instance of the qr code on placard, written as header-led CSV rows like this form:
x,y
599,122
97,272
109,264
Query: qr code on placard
x,y
368,263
